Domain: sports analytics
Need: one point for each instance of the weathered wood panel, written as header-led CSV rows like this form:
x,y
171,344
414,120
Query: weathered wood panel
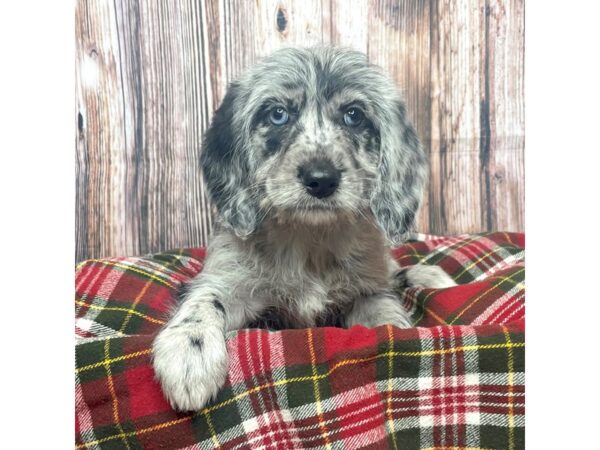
x,y
457,58
506,115
399,42
151,73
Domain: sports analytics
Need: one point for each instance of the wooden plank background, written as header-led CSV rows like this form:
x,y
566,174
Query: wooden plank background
x,y
150,74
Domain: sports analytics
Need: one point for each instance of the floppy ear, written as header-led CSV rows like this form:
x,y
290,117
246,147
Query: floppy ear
x,y
401,176
226,170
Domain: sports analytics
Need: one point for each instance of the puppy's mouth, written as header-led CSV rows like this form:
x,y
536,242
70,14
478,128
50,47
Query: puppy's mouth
x,y
308,203
310,210
315,213
312,204
318,208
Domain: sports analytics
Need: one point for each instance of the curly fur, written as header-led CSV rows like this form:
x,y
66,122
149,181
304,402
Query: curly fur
x,y
278,251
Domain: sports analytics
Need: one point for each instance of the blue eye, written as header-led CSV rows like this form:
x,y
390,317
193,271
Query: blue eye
x,y
279,116
353,117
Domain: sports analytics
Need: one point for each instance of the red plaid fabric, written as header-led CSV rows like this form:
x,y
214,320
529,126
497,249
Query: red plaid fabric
x,y
456,380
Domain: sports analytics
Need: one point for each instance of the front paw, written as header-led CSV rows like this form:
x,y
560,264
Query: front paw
x,y
423,276
190,364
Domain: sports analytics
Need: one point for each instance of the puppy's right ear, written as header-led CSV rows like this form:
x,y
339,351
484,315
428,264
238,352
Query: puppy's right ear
x,y
226,170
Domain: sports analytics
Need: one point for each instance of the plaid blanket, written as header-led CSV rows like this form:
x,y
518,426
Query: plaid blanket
x,y
456,380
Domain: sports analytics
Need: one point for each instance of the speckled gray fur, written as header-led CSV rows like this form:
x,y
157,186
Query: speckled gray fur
x,y
277,248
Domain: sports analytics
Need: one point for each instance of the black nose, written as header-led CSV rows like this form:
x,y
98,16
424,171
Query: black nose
x,y
320,177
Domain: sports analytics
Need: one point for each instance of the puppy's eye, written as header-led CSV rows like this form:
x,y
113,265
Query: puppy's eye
x,y
279,116
353,117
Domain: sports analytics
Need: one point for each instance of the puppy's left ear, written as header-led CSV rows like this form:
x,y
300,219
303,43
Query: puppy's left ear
x,y
227,169
401,176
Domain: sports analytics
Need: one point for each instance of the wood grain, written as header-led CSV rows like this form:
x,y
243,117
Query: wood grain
x,y
402,28
456,113
151,73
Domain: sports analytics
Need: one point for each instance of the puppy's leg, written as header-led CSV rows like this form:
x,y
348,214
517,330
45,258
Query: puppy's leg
x,y
376,310
190,354
423,276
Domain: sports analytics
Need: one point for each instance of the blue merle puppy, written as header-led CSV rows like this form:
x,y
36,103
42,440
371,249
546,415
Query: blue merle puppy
x,y
315,170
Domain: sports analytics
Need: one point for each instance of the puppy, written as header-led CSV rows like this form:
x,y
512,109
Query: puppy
x,y
315,170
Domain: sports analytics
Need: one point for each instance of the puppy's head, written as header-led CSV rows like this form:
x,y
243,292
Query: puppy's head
x,y
313,135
